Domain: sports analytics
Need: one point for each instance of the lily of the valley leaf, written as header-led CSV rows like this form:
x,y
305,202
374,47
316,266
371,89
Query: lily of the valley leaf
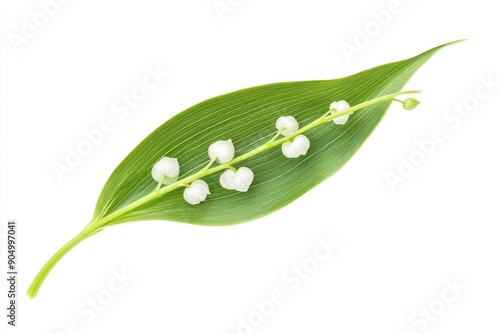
x,y
246,154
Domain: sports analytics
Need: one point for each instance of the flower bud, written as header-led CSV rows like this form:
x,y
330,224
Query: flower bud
x,y
226,179
166,170
410,103
242,179
288,125
196,192
222,151
295,148
239,180
340,106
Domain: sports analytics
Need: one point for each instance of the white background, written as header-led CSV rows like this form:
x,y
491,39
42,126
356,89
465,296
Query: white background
x,y
397,247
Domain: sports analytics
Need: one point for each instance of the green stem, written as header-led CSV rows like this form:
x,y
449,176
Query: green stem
x,y
42,274
99,224
210,163
160,183
276,135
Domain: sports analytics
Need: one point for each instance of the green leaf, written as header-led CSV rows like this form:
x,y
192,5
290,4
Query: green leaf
x,y
248,117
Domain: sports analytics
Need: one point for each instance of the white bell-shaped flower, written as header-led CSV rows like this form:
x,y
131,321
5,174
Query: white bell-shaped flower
x,y
166,170
297,147
226,179
340,106
288,125
239,180
243,178
196,192
222,151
